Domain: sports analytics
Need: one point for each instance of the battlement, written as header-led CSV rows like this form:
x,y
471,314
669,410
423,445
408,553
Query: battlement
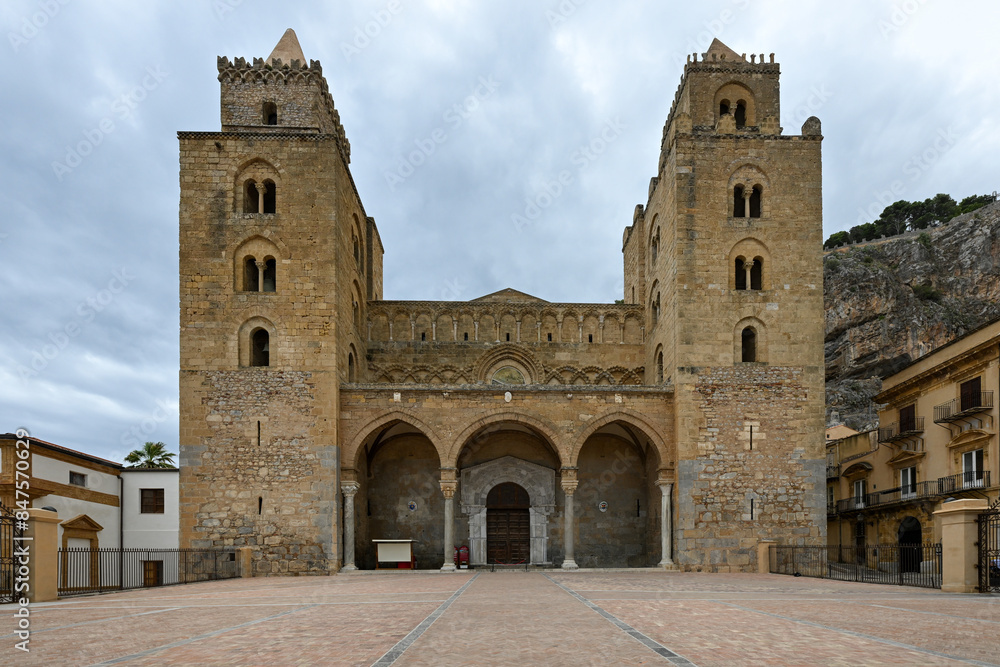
x,y
276,95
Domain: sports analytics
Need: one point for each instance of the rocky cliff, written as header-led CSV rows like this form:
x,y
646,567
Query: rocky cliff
x,y
891,301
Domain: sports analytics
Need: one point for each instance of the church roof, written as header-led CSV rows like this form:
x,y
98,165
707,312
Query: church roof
x,y
721,49
288,49
509,295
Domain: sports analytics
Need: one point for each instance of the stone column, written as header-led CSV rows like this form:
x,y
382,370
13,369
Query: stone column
x,y
349,489
666,525
260,274
569,488
959,537
448,488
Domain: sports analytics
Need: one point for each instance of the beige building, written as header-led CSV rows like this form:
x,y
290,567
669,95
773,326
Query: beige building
x,y
677,428
937,441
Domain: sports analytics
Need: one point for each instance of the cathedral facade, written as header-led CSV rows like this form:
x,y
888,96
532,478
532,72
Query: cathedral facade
x,y
675,429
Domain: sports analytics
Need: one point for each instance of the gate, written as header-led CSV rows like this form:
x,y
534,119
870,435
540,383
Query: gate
x,y
989,549
9,532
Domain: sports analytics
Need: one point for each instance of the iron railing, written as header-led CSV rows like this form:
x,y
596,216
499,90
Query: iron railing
x,y
901,429
899,564
968,404
85,571
11,531
964,481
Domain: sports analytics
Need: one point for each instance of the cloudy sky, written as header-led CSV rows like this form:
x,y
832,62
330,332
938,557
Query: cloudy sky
x,y
94,92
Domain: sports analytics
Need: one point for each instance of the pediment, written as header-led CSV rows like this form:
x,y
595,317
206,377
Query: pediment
x,y
508,295
858,468
905,458
972,436
81,522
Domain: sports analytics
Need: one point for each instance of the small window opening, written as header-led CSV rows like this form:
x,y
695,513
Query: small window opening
x,y
633,295
466,335
550,338
258,434
251,198
757,274
260,504
270,196
659,367
270,274
755,197
741,274
260,349
508,337
749,344
270,113
638,508
423,335
357,251
590,338
739,203
655,246
741,115
350,367
251,276
751,509
723,108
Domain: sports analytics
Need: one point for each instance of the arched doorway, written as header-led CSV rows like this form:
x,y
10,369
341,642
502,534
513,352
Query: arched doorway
x,y
508,524
910,536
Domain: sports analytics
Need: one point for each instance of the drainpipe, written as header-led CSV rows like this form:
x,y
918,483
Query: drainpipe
x,y
121,531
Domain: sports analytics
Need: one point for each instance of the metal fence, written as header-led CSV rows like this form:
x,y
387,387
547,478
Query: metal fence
x,y
899,564
85,571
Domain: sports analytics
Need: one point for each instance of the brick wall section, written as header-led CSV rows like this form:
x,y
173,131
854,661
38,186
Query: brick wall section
x,y
777,470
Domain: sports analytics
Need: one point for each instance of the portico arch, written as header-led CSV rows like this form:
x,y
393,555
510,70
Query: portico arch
x,y
545,430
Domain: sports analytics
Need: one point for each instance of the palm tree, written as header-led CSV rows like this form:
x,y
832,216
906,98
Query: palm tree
x,y
152,455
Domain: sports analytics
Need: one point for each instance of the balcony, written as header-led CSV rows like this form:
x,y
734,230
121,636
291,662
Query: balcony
x,y
958,408
943,486
903,430
832,470
964,481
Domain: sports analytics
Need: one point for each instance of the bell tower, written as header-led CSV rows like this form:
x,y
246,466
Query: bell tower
x,y
728,251
277,262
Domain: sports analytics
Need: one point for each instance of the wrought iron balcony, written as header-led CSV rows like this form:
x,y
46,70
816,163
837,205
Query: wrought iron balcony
x,y
901,430
969,404
964,481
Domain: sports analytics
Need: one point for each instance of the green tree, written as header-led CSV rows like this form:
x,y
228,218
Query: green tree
x,y
973,202
152,455
837,239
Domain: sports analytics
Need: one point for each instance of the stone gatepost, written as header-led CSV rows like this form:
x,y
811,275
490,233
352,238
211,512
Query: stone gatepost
x,y
244,555
42,541
959,544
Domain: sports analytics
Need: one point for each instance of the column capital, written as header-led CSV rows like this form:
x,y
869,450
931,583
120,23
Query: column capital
x,y
569,486
449,488
349,488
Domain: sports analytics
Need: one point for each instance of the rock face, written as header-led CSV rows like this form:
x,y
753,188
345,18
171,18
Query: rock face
x,y
891,301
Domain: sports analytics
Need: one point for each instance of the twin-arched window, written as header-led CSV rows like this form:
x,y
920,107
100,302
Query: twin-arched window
x,y
747,204
259,275
259,197
749,274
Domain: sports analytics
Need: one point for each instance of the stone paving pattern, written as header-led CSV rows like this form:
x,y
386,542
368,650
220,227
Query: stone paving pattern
x,y
507,618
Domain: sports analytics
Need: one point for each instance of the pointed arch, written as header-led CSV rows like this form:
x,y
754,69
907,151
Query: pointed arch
x,y
541,427
625,416
354,444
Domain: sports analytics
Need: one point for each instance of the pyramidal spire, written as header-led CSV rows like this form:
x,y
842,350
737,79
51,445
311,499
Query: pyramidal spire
x,y
717,47
288,49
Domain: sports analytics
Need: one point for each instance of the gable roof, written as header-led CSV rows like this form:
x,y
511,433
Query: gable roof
x,y
508,295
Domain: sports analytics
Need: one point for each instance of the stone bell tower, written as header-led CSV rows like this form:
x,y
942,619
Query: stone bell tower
x,y
277,262
727,255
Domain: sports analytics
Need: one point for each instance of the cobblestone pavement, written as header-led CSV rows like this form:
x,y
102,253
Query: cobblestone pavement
x,y
515,618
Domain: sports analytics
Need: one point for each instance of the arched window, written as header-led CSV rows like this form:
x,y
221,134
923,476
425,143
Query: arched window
x,y
656,308
723,108
357,314
659,366
654,247
633,295
350,367
755,201
260,348
741,274
270,275
357,250
251,276
270,197
270,113
251,197
748,345
757,274
739,203
741,115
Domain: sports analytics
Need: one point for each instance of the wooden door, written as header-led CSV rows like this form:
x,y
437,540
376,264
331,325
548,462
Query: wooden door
x,y
508,525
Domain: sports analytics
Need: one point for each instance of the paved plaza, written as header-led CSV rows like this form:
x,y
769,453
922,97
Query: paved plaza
x,y
515,618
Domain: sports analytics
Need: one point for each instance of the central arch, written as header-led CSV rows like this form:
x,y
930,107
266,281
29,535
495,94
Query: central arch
x,y
537,481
